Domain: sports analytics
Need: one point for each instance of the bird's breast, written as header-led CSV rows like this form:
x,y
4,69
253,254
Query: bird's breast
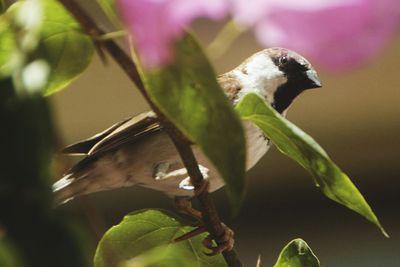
x,y
257,144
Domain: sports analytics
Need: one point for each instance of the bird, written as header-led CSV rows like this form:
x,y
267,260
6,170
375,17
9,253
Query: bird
x,y
138,151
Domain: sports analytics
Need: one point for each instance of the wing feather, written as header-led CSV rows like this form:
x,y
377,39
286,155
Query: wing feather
x,y
139,126
83,147
119,134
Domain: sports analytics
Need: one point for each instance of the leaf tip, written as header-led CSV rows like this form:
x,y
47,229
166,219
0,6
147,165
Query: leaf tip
x,y
378,224
258,264
383,231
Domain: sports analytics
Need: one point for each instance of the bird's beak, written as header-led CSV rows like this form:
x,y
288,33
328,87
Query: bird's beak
x,y
313,78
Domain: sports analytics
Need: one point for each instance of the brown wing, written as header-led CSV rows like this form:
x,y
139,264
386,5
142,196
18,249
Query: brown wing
x,y
117,135
130,131
229,85
83,147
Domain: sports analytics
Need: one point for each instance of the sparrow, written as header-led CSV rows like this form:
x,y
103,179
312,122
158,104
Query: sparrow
x,y
138,151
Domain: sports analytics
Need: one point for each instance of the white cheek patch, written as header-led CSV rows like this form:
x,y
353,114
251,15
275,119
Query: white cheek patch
x,y
262,77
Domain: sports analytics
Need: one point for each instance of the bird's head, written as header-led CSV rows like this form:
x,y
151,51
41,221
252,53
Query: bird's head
x,y
277,74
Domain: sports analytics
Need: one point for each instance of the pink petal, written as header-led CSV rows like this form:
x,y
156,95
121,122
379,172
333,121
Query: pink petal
x,y
187,10
155,24
249,12
338,37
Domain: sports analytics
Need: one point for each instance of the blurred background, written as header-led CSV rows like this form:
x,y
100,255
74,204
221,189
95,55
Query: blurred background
x,y
355,117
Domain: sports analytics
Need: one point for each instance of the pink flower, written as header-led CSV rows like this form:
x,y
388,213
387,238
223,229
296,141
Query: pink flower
x,y
155,24
337,34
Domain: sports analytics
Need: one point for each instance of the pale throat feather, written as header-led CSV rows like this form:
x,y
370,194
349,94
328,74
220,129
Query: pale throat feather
x,y
259,75
256,144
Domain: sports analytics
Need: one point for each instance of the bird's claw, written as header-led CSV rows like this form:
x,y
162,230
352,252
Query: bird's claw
x,y
184,206
224,243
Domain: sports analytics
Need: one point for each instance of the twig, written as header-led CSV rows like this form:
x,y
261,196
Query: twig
x,y
224,39
211,218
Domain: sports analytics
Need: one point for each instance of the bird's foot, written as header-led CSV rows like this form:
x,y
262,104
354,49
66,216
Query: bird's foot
x,y
184,206
225,242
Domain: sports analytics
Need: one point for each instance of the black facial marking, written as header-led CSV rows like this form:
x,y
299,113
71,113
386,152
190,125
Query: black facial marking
x,y
289,65
297,80
284,96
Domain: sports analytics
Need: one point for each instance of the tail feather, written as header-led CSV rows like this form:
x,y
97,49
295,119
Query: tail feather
x,y
87,177
69,187
63,182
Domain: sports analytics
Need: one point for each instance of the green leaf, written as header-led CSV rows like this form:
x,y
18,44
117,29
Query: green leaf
x,y
62,43
8,255
301,147
188,94
7,48
141,232
66,48
164,256
47,238
297,254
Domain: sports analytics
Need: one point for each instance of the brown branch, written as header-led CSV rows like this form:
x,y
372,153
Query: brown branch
x,y
210,214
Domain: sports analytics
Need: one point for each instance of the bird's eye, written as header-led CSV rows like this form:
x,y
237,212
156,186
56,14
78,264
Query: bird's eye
x,y
283,60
